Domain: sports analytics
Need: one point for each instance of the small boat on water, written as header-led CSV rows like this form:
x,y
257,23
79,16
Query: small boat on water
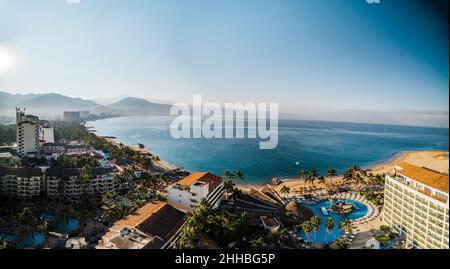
x,y
324,211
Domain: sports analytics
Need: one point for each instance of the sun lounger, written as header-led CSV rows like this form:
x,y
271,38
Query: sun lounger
x,y
324,211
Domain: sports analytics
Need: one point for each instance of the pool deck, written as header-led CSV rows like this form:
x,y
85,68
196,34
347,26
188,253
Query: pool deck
x,y
364,233
362,226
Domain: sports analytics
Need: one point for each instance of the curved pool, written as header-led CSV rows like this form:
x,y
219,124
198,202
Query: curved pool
x,y
321,236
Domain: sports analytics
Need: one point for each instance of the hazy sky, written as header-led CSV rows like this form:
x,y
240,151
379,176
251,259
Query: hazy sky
x,y
342,54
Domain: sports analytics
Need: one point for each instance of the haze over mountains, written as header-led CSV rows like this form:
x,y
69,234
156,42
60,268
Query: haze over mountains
x,y
52,105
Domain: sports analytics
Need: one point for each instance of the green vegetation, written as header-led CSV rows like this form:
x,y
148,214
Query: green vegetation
x,y
331,172
230,185
69,130
115,207
7,134
384,240
307,227
315,223
222,226
346,226
329,225
285,189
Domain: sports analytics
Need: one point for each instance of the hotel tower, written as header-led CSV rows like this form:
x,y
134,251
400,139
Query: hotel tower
x,y
416,206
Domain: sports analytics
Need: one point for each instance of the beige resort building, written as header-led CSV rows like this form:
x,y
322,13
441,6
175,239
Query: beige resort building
x,y
416,206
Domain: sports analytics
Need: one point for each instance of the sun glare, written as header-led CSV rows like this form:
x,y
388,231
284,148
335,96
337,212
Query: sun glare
x,y
6,61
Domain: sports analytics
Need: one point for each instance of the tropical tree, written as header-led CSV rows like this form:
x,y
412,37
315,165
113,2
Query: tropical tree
x,y
307,228
285,189
258,242
322,179
25,217
281,236
229,187
302,174
312,175
339,244
331,173
329,226
359,180
315,223
239,175
346,226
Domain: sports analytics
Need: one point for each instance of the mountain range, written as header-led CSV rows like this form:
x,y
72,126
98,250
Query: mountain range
x,y
57,103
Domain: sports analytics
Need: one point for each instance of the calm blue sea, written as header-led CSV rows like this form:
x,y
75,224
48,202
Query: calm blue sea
x,y
314,144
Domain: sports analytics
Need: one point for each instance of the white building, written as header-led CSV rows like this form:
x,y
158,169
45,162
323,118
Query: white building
x,y
27,134
416,205
189,192
46,133
66,184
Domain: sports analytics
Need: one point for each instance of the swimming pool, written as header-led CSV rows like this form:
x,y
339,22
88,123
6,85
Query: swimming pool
x,y
29,242
321,236
64,227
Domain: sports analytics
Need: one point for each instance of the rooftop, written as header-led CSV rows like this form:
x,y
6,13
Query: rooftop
x,y
20,172
141,214
424,175
205,177
150,227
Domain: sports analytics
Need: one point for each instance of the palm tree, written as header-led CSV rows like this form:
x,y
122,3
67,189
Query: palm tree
x,y
239,175
307,228
315,223
346,226
229,187
355,168
331,173
302,174
322,179
227,175
329,225
359,180
285,189
313,175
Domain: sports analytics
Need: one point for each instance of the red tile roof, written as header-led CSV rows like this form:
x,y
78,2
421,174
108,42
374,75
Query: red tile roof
x,y
205,177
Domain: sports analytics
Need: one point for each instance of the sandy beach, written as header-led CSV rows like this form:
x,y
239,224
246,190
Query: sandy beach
x,y
436,160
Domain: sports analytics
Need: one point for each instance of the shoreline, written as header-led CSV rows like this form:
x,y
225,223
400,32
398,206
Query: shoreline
x,y
434,159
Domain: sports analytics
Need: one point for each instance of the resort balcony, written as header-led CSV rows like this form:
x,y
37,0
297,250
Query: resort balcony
x,y
427,193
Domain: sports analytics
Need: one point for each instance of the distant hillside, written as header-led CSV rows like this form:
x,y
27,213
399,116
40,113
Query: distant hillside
x,y
140,106
41,101
8,100
53,104
59,101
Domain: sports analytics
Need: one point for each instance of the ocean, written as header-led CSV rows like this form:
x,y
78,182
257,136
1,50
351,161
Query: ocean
x,y
314,144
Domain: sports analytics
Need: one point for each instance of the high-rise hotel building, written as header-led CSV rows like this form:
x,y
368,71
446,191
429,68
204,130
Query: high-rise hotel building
x,y
416,204
32,133
28,131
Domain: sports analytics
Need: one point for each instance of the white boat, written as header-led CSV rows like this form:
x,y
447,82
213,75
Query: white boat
x,y
324,211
